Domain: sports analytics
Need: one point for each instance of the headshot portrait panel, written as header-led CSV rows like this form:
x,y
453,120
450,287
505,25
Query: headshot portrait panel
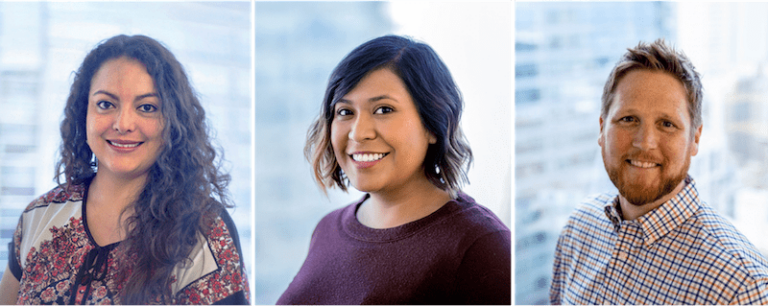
x,y
300,46
594,157
145,108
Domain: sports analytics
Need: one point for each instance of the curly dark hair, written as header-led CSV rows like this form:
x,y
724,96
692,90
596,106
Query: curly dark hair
x,y
185,189
437,99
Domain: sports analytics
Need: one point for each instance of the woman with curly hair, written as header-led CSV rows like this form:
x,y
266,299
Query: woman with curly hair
x,y
389,126
141,215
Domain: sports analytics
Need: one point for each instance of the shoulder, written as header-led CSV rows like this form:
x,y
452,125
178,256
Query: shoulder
x,y
58,195
336,218
593,206
472,215
590,212
341,212
216,272
587,224
52,219
717,234
223,236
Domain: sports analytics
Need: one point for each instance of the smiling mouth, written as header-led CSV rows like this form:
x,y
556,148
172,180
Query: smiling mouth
x,y
124,145
368,157
641,164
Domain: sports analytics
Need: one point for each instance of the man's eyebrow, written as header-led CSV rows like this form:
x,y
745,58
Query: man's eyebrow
x,y
671,117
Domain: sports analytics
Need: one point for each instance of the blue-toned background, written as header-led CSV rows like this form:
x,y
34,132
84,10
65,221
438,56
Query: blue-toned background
x,y
563,54
297,46
43,43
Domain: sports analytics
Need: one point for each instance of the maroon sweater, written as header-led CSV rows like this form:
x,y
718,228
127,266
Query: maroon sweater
x,y
460,254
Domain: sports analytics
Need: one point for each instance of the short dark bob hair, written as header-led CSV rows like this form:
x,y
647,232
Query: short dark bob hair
x,y
434,92
657,56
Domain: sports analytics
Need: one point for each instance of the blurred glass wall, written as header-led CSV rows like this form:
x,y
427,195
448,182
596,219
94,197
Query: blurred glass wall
x,y
43,43
563,54
297,46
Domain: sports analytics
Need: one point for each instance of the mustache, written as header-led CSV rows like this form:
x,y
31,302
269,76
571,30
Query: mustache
x,y
645,157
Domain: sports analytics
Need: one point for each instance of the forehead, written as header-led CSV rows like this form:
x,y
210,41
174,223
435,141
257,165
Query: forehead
x,y
650,92
377,82
122,71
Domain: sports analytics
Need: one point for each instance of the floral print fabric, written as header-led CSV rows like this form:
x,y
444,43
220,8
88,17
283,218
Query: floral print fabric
x,y
52,244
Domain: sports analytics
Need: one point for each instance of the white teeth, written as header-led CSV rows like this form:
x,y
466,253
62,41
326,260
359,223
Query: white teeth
x,y
642,164
133,145
367,157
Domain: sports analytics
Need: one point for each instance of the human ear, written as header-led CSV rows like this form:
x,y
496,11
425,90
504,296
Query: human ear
x,y
600,137
431,138
695,143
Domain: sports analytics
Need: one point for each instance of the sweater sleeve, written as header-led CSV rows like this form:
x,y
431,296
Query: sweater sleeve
x,y
484,276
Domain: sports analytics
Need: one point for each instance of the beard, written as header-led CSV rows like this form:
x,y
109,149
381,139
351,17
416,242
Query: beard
x,y
640,194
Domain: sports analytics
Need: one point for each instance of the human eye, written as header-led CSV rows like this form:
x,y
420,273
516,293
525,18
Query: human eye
x,y
668,125
147,108
383,110
343,112
627,119
104,104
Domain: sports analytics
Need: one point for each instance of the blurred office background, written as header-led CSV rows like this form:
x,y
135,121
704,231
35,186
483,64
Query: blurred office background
x,y
43,43
297,46
563,54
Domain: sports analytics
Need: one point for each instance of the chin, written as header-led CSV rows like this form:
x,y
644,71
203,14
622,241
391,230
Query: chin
x,y
640,195
365,188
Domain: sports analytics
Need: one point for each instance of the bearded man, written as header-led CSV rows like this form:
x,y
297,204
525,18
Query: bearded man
x,y
655,242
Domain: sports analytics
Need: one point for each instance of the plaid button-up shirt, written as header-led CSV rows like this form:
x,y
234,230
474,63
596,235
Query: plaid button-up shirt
x,y
682,252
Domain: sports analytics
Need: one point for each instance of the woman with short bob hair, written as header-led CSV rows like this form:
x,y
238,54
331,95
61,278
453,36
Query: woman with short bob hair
x,y
140,217
389,126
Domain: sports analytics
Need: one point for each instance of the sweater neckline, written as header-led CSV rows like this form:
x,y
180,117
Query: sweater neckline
x,y
357,230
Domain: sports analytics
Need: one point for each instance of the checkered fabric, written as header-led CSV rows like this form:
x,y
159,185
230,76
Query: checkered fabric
x,y
682,252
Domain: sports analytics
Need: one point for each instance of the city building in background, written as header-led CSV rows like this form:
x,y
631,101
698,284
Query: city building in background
x,y
43,43
563,54
297,46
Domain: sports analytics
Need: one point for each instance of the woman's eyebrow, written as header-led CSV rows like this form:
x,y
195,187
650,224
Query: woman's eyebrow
x,y
374,99
113,96
144,96
382,97
103,92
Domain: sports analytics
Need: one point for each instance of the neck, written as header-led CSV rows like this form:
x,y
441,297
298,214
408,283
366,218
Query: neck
x,y
386,209
114,193
109,205
631,211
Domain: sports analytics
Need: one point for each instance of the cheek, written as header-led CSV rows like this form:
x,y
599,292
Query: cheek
x,y
95,125
412,136
618,139
155,129
337,140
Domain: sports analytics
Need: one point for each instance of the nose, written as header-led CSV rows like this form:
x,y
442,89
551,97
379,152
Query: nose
x,y
646,137
362,129
125,122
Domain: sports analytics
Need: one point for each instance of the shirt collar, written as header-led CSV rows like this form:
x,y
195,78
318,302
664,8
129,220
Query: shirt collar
x,y
665,218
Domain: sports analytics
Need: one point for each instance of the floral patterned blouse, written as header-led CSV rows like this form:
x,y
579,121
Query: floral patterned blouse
x,y
56,260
